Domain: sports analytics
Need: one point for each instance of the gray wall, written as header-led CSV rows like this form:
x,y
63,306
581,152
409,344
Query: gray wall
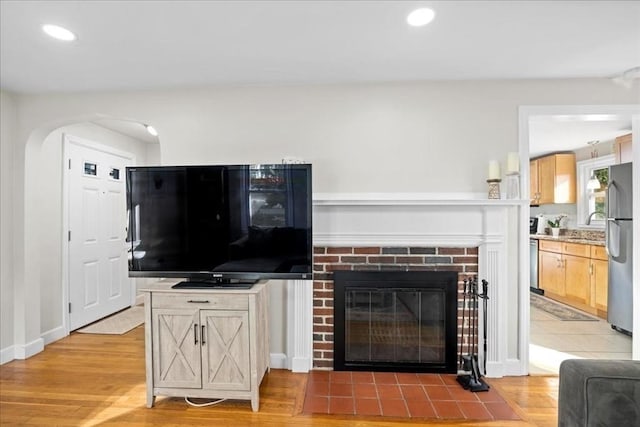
x,y
8,125
422,137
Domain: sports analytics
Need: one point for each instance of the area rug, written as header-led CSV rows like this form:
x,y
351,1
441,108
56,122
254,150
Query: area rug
x,y
401,395
117,324
557,310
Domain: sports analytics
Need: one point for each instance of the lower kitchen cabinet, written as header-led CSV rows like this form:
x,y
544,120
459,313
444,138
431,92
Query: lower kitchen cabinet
x,y
575,274
577,280
600,278
206,343
551,273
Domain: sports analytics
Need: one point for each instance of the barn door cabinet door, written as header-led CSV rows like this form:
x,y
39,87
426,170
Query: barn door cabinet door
x,y
206,344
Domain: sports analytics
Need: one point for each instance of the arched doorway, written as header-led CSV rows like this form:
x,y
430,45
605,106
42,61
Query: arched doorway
x,y
44,304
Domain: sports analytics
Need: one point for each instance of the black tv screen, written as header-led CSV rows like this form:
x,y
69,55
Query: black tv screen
x,y
220,224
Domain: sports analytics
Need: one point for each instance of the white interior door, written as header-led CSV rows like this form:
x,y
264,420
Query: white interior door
x,y
98,279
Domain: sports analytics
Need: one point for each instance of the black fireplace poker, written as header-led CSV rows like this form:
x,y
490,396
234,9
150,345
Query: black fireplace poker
x,y
472,378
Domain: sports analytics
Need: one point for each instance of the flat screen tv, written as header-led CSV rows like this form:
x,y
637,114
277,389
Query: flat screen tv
x,y
228,225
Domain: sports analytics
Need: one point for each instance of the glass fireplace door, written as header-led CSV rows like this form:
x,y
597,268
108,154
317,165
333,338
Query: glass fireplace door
x,y
395,325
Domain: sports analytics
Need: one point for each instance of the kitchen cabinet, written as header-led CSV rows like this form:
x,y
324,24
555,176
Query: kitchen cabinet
x,y
534,182
622,149
575,274
553,179
577,279
206,343
600,279
551,273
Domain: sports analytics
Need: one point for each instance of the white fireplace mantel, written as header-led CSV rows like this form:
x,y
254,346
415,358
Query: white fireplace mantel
x,y
438,220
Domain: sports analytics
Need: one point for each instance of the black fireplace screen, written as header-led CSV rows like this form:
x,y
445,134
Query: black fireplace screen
x,y
405,321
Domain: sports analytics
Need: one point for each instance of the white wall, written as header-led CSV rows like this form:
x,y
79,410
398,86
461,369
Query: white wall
x,y
50,201
409,137
8,125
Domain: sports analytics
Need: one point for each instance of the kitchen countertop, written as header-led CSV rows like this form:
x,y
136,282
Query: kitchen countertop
x,y
568,239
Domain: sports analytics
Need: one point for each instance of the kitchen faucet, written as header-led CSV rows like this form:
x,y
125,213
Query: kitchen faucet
x,y
591,216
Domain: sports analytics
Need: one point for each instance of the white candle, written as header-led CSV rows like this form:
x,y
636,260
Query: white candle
x,y
513,163
494,169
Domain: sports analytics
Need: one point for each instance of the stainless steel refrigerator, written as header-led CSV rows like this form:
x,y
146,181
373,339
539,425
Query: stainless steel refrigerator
x,y
619,241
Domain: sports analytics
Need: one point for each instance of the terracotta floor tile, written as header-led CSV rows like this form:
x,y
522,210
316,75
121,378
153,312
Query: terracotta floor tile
x,y
365,391
341,405
413,392
394,408
320,375
407,378
437,392
341,389
401,395
421,408
316,405
447,409
318,388
368,407
385,378
474,411
490,396
450,379
430,379
462,395
501,411
362,377
388,391
340,377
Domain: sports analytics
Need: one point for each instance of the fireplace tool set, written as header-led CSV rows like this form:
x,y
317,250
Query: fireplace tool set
x,y
472,378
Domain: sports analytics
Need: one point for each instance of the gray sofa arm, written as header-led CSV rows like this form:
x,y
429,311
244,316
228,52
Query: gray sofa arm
x,y
599,393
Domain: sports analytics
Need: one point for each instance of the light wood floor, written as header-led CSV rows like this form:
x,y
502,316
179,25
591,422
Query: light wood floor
x,y
86,380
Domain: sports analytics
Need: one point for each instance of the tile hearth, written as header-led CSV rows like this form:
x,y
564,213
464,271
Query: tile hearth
x,y
406,395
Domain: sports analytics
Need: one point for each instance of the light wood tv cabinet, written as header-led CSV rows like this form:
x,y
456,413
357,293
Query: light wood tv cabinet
x,y
206,343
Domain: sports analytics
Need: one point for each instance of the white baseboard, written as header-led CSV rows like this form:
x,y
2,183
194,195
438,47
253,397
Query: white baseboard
x,y
508,368
7,354
139,299
278,361
300,364
26,351
54,335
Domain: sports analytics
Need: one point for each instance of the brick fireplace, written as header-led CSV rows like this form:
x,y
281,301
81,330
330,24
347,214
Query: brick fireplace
x,y
464,261
395,228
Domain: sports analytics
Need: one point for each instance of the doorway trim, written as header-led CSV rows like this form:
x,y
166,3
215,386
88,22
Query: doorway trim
x,y
66,140
525,113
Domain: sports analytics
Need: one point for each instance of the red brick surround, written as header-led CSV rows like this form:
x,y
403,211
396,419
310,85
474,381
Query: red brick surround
x,y
329,259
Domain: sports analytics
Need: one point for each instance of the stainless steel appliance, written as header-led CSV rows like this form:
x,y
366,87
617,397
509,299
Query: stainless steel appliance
x,y
533,225
619,241
533,266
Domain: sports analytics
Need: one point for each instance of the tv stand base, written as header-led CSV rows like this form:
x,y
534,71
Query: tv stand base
x,y
215,284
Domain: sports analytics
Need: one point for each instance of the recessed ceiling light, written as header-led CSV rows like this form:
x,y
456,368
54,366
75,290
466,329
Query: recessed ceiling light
x,y
420,17
58,32
151,130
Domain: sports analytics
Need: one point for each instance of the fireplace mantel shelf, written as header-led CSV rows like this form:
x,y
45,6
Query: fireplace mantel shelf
x,y
411,199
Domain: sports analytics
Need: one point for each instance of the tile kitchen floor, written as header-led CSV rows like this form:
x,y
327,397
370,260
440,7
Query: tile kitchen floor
x,y
552,341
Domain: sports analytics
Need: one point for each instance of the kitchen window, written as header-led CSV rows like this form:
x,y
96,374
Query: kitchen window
x,y
592,200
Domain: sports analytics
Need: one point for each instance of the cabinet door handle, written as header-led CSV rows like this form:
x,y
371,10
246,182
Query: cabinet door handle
x,y
195,334
195,301
202,336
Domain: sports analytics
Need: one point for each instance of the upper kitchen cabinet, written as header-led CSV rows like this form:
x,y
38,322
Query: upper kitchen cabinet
x,y
553,179
622,149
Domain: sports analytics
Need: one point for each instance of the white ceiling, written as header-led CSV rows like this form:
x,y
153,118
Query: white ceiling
x,y
548,134
133,45
154,44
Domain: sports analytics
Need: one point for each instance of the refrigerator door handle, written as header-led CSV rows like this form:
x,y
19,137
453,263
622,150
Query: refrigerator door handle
x,y
611,187
607,232
607,201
